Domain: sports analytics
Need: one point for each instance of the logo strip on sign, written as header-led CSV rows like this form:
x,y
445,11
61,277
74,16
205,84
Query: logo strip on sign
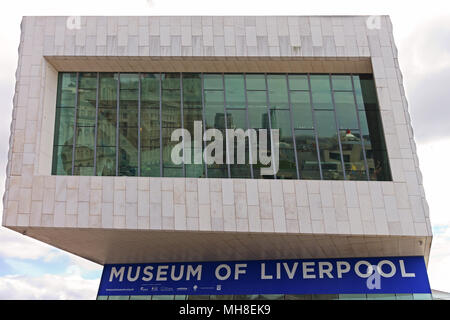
x,y
294,276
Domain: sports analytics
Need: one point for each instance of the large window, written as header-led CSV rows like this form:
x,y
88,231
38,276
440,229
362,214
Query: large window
x,y
120,124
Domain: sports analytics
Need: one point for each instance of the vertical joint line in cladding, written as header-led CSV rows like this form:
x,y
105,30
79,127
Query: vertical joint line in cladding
x,y
359,128
291,112
248,127
75,123
96,123
270,125
316,134
337,126
227,151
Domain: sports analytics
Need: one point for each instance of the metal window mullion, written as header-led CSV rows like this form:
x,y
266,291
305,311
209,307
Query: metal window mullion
x,y
316,134
292,127
204,122
250,142
359,128
117,122
270,125
227,154
75,122
139,125
337,126
182,123
160,128
96,123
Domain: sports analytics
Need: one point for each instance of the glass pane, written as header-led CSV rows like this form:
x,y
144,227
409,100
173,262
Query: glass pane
x,y
404,296
257,109
139,297
192,90
106,131
298,82
234,90
88,80
84,150
85,137
358,92
342,82
308,162
83,171
217,171
129,99
346,110
86,116
119,298
108,90
369,92
214,99
213,81
240,171
149,90
374,146
62,160
281,120
278,93
170,81
352,152
167,153
171,113
106,161
287,166
297,297
330,155
128,118
149,127
67,90
64,126
173,172
190,116
422,296
150,161
195,170
258,117
215,118
255,82
128,151
321,92
236,119
129,81
352,297
301,110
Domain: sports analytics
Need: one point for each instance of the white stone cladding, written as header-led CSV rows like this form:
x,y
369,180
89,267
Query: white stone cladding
x,y
35,201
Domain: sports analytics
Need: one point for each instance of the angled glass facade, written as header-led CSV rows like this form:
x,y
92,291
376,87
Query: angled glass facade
x,y
120,124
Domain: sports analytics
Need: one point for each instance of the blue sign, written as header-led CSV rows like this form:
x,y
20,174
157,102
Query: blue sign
x,y
299,276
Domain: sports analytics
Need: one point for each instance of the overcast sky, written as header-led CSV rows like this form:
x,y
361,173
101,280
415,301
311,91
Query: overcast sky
x,y
30,269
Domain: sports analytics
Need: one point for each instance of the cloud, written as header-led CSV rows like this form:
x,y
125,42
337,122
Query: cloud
x,y
71,286
425,61
439,263
15,245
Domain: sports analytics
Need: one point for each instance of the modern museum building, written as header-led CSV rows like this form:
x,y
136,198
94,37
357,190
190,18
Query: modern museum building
x,y
220,157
